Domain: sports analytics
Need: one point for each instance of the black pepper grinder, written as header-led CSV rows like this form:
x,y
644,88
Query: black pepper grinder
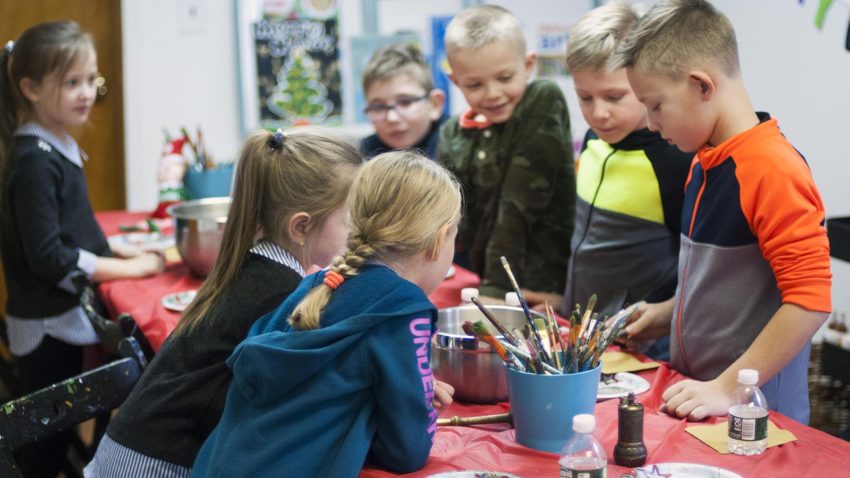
x,y
630,450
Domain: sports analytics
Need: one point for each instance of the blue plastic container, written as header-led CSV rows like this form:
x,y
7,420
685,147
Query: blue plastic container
x,y
209,183
543,406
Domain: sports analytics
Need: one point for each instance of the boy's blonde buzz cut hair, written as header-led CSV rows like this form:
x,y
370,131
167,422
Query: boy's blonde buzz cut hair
x,y
676,35
594,39
398,60
481,25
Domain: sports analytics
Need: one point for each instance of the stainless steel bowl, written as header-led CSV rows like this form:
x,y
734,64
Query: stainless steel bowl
x,y
466,363
198,228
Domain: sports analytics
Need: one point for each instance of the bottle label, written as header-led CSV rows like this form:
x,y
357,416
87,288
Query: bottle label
x,y
568,473
747,429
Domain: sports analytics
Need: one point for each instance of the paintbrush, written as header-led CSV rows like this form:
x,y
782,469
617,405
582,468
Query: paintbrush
x,y
478,329
481,420
493,320
551,331
523,355
537,338
588,311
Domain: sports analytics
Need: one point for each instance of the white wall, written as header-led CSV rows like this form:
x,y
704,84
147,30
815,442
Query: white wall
x,y
174,78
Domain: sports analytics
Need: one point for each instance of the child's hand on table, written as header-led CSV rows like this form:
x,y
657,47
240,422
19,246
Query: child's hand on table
x,y
442,395
147,263
696,400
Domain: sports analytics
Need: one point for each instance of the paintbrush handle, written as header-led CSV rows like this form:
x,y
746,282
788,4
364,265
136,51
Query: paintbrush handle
x,y
493,320
525,356
480,420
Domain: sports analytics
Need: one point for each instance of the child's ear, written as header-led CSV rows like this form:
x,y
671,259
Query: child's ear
x,y
298,226
442,236
30,89
437,100
530,60
703,83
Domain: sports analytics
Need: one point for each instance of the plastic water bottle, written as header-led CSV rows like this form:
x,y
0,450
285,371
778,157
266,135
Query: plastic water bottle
x,y
583,455
512,300
466,295
748,416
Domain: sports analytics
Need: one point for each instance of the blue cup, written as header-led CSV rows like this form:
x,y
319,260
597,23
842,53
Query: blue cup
x,y
209,183
543,406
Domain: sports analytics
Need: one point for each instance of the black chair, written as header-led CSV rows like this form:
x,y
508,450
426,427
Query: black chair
x,y
109,331
63,405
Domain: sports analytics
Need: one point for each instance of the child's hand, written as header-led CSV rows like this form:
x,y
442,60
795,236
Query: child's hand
x,y
442,395
696,400
650,321
147,263
537,300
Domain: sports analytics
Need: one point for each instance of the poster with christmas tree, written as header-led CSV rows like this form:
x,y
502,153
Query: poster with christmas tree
x,y
297,64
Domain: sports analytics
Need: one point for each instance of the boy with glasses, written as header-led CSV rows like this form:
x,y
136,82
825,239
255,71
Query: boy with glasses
x,y
402,103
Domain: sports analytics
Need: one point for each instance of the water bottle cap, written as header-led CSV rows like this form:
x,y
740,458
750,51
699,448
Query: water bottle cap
x,y
584,423
748,376
512,299
467,293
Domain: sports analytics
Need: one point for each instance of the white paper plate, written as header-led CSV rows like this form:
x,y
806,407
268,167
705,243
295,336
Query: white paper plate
x,y
451,272
473,474
178,301
146,241
624,382
682,470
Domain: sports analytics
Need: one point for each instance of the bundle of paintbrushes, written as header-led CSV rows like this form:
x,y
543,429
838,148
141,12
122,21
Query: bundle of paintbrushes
x,y
540,347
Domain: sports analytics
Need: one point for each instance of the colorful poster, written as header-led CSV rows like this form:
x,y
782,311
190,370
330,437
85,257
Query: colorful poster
x,y
552,50
439,63
296,55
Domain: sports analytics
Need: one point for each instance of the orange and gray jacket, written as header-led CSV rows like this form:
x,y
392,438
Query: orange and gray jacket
x,y
628,219
752,239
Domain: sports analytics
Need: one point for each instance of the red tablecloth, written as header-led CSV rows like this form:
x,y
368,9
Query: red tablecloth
x,y
492,447
141,297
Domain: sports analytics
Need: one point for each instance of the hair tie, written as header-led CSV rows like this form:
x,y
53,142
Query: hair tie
x,y
333,279
277,139
10,45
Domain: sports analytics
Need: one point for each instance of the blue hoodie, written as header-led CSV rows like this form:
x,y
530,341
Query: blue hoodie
x,y
316,402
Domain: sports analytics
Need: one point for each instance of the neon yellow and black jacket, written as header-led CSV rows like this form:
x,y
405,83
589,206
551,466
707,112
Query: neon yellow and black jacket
x,y
628,219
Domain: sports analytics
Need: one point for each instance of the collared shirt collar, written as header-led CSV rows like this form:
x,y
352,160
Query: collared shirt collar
x,y
272,251
470,120
66,146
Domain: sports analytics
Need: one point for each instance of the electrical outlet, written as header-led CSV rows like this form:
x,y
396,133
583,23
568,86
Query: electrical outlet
x,y
191,16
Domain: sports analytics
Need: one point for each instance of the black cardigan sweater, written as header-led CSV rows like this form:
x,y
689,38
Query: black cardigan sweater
x,y
180,397
46,218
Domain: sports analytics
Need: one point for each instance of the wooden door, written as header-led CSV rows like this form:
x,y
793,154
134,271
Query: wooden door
x,y
103,137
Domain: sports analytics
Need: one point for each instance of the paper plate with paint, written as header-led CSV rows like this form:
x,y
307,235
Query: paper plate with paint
x,y
681,470
178,301
145,241
620,384
473,474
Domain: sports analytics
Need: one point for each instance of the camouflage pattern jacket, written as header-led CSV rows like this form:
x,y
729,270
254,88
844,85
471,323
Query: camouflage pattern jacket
x,y
519,190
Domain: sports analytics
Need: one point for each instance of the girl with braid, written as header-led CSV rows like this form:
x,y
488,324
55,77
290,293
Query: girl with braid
x,y
339,374
287,212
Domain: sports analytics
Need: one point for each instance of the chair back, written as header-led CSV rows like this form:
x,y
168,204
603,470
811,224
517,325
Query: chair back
x,y
63,405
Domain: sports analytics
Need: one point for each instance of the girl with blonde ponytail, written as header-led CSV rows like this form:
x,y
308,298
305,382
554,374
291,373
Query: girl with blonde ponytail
x,y
287,213
341,369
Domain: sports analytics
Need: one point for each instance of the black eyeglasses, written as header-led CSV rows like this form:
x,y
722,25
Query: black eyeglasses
x,y
403,107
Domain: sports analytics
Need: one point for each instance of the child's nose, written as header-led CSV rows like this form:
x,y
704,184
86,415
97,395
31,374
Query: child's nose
x,y
393,115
